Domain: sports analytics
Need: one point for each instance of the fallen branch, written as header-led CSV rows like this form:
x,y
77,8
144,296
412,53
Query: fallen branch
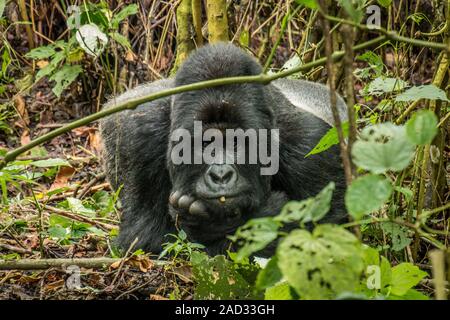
x,y
73,216
40,264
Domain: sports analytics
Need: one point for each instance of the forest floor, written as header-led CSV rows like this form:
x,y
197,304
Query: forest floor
x,y
77,190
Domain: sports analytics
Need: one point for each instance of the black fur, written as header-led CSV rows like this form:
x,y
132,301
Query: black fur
x,y
136,149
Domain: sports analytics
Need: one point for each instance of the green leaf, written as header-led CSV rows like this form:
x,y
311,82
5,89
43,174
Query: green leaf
x,y
48,163
254,236
430,92
329,139
269,276
322,264
384,3
41,53
367,194
216,278
398,235
385,85
312,4
2,7
57,220
375,65
125,12
120,39
353,8
281,291
76,205
64,77
411,294
58,232
386,274
383,147
244,38
91,39
52,66
310,210
404,277
422,127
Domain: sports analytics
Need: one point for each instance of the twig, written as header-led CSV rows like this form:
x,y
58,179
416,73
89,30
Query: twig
x,y
91,184
14,248
70,215
127,254
392,35
333,96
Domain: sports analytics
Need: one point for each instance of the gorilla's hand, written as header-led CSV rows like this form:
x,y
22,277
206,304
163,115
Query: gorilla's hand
x,y
187,208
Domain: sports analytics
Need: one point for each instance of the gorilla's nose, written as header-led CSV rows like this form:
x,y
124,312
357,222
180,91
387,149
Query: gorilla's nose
x,y
221,175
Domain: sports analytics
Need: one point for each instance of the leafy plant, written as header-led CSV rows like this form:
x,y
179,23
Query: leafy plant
x,y
92,26
180,247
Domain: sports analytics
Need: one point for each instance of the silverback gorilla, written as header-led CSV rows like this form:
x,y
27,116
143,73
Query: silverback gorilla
x,y
210,201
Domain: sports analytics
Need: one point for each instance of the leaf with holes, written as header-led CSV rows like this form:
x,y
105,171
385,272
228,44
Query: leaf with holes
x,y
385,85
64,77
216,278
322,264
255,235
429,91
383,147
398,234
310,210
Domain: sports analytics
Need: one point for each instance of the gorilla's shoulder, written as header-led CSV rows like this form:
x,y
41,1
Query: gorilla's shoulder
x,y
311,97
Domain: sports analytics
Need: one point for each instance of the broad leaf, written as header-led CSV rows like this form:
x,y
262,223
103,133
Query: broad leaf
x,y
422,127
91,39
322,264
310,210
216,278
367,194
430,92
255,235
383,147
385,85
312,4
404,277
41,53
64,77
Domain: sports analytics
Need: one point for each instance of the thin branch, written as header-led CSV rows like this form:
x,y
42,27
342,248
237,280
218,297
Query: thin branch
x,y
333,95
392,35
133,103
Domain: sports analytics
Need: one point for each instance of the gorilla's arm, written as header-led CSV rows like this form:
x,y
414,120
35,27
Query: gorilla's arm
x,y
135,147
303,121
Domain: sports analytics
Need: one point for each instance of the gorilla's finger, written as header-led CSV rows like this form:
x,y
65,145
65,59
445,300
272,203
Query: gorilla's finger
x,y
174,197
198,208
185,201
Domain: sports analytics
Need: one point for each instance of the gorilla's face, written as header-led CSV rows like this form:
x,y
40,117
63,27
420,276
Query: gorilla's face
x,y
211,130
